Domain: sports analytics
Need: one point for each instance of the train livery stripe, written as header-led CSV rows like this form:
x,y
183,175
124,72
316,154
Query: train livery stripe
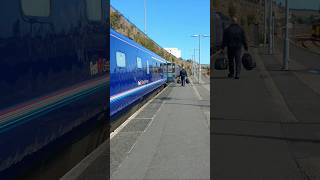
x,y
50,102
134,90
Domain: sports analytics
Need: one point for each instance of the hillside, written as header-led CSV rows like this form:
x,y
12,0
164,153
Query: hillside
x,y
122,25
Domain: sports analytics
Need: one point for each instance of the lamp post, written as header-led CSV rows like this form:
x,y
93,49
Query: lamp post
x,y
194,55
265,23
145,16
270,27
286,40
194,62
199,37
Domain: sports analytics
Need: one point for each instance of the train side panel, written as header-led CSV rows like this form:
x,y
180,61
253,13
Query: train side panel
x,y
53,78
134,72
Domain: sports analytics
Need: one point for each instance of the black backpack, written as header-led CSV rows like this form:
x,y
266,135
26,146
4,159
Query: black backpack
x,y
221,62
248,62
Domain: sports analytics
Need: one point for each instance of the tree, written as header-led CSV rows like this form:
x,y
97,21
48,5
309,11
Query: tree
x,y
115,20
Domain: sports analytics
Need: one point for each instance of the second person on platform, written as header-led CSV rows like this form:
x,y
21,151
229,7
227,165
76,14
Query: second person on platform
x,y
183,76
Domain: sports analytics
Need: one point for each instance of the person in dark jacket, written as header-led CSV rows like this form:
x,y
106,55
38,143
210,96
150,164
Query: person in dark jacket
x,y
183,75
234,39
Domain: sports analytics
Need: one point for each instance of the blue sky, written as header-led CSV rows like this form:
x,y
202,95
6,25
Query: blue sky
x,y
302,4
171,23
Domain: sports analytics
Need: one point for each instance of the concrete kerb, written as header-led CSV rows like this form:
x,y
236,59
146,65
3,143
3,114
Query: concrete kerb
x,y
272,88
76,171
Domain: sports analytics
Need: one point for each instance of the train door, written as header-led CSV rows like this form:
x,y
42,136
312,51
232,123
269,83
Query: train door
x,y
163,68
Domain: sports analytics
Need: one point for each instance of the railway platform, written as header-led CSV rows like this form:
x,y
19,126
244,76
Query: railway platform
x,y
168,138
266,125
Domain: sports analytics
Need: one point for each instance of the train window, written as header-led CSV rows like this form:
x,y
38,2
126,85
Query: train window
x,y
148,67
139,63
94,10
164,67
121,59
170,68
40,8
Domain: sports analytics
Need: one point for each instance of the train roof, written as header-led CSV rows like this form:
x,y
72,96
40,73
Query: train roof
x,y
136,45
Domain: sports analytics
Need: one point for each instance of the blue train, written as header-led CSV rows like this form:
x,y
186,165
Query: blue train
x,y
53,79
173,71
134,72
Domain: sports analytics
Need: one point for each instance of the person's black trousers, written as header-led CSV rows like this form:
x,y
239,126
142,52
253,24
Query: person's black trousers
x,y
234,56
183,80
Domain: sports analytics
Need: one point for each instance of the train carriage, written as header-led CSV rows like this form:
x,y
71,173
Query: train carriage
x,y
134,72
53,80
171,72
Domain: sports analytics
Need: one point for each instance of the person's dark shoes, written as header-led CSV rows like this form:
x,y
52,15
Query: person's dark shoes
x,y
230,75
237,77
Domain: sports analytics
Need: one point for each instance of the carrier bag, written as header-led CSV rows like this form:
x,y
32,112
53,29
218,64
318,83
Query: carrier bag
x,y
248,62
221,62
178,81
187,80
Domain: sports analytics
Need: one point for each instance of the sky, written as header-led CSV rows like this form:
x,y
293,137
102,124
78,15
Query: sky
x,y
170,23
302,4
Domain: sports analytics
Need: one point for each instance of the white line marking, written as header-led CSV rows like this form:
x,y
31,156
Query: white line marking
x,y
272,87
116,131
154,116
131,148
142,118
195,90
204,85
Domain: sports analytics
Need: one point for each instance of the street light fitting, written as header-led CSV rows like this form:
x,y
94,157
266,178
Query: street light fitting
x,y
199,37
